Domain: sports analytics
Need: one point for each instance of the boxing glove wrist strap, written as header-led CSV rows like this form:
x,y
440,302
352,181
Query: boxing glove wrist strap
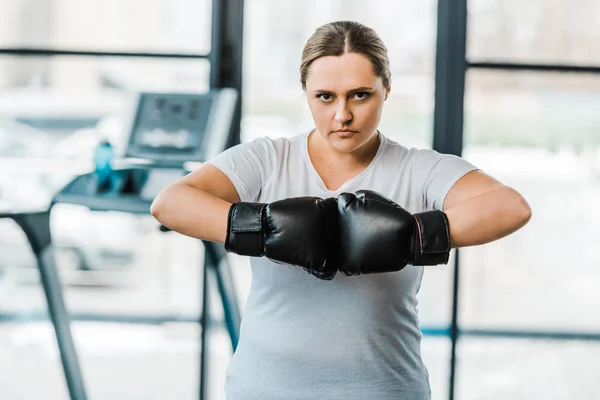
x,y
245,234
431,241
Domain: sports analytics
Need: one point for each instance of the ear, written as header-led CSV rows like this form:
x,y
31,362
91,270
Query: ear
x,y
388,89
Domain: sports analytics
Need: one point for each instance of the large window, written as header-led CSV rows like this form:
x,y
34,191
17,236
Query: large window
x,y
539,132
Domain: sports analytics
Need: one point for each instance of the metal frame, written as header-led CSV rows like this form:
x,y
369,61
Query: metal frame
x,y
448,119
226,54
37,52
506,66
36,226
451,68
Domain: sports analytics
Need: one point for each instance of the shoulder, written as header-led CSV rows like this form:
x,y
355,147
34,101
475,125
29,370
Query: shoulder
x,y
415,155
277,152
398,154
288,143
259,150
262,152
274,145
425,163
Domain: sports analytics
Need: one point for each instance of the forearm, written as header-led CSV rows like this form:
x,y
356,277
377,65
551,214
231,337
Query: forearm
x,y
192,212
487,217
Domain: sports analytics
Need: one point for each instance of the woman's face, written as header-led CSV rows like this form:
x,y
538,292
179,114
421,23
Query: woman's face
x,y
346,99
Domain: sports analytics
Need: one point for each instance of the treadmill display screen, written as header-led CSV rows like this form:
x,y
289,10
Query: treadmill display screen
x,y
171,126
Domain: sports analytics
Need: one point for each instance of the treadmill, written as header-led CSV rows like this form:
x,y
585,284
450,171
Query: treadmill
x,y
168,131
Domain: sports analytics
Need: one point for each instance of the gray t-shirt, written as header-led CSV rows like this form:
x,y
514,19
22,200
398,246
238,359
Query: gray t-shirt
x,y
350,338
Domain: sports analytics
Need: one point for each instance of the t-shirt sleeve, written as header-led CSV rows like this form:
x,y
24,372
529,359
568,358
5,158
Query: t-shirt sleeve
x,y
246,165
436,173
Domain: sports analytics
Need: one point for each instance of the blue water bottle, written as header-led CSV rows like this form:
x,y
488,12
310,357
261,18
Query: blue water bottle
x,y
103,157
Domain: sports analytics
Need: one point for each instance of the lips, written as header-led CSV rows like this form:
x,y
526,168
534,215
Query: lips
x,y
344,132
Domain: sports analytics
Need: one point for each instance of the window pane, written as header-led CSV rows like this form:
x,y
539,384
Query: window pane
x,y
140,361
539,133
435,296
539,31
275,34
117,361
31,366
495,369
108,25
436,355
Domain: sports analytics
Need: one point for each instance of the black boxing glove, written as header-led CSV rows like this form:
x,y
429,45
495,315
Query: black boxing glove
x,y
298,231
377,235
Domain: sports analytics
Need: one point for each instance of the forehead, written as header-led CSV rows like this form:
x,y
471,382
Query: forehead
x,y
341,73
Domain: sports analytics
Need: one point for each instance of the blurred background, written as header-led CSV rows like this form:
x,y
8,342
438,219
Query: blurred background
x,y
528,309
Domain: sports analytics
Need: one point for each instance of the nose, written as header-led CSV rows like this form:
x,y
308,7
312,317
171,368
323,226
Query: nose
x,y
342,113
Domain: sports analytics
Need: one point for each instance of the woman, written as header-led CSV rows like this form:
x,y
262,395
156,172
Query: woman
x,y
341,197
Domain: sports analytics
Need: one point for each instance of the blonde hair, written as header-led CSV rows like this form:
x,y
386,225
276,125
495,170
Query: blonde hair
x,y
341,37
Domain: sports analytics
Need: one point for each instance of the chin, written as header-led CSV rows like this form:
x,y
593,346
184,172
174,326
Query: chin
x,y
346,145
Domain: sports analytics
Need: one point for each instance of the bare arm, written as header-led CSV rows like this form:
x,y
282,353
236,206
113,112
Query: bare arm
x,y
480,210
197,204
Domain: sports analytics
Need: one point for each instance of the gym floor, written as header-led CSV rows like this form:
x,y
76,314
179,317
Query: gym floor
x,y
131,362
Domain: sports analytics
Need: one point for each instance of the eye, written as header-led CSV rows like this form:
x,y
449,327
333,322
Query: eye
x,y
324,97
361,95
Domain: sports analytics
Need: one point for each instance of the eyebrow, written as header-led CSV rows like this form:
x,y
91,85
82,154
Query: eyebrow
x,y
358,89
